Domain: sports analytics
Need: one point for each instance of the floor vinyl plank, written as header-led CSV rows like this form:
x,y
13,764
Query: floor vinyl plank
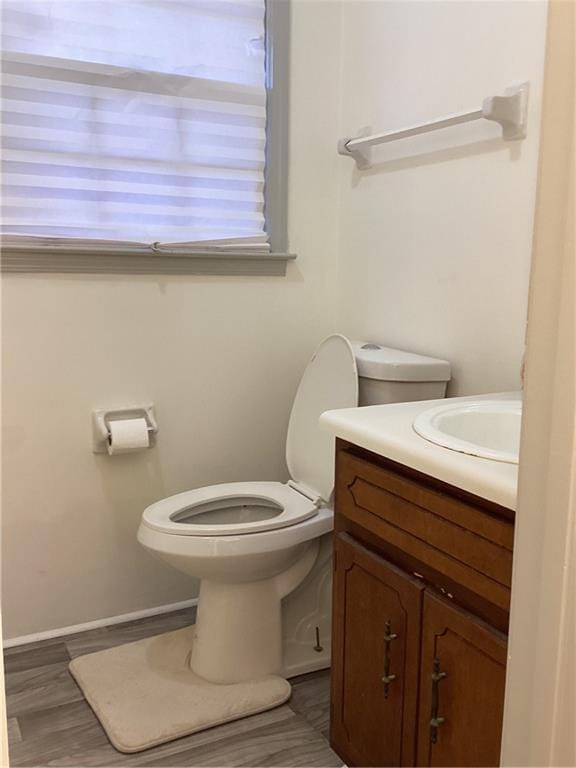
x,y
311,699
128,632
308,754
31,645
88,642
163,622
40,688
64,717
277,744
46,645
23,658
171,751
50,749
13,730
54,640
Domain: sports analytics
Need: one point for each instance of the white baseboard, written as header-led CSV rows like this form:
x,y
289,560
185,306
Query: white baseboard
x,y
49,634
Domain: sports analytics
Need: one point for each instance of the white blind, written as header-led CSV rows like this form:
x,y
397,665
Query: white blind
x,y
134,120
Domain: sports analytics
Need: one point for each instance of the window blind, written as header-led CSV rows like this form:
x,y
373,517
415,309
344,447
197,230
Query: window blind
x,y
134,121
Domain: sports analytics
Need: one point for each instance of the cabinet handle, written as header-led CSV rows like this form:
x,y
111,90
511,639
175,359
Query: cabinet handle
x,y
388,677
435,720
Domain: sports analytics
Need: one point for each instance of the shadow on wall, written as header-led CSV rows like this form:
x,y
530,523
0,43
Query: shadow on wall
x,y
437,156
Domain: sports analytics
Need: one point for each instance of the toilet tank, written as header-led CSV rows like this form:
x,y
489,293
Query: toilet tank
x,y
389,375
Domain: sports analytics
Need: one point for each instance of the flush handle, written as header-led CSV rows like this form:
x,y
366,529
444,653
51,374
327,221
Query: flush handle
x,y
435,719
388,677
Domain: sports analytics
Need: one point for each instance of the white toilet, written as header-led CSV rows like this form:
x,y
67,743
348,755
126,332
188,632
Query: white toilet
x,y
263,549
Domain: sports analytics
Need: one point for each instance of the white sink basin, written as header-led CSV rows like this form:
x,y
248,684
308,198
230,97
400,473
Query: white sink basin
x,y
486,428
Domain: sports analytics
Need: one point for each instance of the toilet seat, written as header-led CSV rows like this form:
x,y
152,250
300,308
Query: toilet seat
x,y
272,505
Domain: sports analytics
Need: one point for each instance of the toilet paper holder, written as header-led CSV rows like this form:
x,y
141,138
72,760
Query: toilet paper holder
x,y
103,416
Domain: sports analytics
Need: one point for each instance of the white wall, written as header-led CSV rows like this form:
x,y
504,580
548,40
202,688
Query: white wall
x,y
436,238
219,357
432,250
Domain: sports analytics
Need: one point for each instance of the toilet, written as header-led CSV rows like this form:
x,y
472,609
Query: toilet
x,y
262,550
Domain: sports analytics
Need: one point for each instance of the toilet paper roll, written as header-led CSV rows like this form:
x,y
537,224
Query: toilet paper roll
x,y
127,435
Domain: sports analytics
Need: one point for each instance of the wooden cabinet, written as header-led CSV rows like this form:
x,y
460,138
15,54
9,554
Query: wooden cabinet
x,y
462,676
421,595
376,647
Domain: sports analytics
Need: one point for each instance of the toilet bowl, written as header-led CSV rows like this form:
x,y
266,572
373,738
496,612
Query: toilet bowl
x,y
231,546
255,545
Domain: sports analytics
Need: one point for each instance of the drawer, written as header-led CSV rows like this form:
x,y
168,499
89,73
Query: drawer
x,y
467,544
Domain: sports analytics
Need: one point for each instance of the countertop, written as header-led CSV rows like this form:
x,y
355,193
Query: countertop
x,y
387,430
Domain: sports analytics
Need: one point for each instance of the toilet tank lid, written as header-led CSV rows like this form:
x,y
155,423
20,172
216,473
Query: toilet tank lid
x,y
375,361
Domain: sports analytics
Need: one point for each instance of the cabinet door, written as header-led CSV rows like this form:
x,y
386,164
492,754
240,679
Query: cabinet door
x,y
376,638
463,670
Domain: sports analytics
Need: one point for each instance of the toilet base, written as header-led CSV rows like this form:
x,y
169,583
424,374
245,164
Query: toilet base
x,y
239,626
245,631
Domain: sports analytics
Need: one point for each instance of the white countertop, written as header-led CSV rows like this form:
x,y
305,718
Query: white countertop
x,y
387,430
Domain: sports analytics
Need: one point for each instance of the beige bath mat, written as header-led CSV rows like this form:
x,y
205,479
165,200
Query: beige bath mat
x,y
144,693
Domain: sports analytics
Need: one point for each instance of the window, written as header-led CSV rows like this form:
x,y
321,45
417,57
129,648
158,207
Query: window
x,y
139,127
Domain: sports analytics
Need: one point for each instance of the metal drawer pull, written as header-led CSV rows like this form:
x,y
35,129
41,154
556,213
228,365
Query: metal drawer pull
x,y
435,720
388,677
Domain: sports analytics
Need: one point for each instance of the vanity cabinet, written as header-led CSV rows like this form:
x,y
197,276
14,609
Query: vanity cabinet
x,y
421,594
376,648
462,676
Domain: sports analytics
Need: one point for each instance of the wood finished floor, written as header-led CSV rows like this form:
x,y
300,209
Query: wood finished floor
x,y
50,723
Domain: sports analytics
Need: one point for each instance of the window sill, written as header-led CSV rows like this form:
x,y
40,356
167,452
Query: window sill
x,y
45,260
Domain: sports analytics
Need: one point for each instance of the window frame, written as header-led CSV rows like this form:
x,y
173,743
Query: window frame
x,y
93,260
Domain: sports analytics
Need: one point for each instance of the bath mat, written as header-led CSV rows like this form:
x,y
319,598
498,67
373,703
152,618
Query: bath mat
x,y
145,694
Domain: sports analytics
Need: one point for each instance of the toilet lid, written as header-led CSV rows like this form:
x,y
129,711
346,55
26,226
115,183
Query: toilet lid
x,y
329,381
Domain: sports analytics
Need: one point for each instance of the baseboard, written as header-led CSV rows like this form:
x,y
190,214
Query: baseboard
x,y
98,623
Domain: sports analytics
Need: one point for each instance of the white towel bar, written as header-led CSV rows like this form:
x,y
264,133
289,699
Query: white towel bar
x,y
509,111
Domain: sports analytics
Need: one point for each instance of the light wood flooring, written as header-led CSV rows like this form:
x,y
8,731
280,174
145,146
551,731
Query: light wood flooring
x,y
50,723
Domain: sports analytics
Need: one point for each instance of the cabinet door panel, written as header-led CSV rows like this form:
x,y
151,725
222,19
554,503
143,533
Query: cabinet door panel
x,y
463,670
376,636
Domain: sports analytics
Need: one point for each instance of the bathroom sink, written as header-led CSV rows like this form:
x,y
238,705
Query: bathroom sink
x,y
486,428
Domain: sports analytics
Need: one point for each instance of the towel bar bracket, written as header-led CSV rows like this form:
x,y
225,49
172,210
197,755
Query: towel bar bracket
x,y
510,111
363,156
